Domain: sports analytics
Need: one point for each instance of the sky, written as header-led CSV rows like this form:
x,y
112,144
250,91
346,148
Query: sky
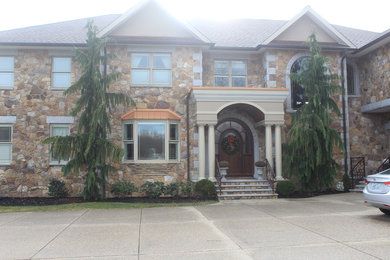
x,y
370,15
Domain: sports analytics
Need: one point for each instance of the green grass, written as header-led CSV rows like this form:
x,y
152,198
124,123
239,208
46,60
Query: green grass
x,y
98,205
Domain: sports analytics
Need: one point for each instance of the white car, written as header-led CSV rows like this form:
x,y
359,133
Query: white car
x,y
377,191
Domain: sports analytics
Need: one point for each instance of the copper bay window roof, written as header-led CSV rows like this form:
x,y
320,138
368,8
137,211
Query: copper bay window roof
x,y
151,114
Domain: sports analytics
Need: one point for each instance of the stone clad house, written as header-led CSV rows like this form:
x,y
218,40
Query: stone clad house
x,y
198,86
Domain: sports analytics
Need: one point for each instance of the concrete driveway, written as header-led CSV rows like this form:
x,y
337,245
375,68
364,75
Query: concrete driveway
x,y
325,227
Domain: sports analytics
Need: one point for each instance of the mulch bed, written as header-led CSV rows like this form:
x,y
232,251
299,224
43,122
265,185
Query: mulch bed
x,y
302,195
37,201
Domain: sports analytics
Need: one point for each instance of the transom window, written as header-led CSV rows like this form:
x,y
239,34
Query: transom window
x,y
151,141
297,90
5,144
151,69
230,73
61,72
6,72
59,130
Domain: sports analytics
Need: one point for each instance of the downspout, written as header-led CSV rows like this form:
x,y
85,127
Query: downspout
x,y
188,134
344,116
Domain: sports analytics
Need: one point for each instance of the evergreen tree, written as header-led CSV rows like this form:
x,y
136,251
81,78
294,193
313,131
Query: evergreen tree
x,y
89,150
310,152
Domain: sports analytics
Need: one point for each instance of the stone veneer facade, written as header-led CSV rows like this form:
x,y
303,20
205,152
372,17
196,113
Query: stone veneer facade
x,y
32,100
368,135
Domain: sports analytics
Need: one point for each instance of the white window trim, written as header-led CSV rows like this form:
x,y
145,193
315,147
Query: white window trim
x,y
135,140
13,72
151,69
297,56
231,75
52,87
54,163
5,163
355,77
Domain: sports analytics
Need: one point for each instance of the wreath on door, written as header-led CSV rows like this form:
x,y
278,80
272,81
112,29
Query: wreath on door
x,y
230,144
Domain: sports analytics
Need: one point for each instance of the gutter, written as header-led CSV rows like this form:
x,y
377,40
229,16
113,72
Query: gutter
x,y
346,155
188,134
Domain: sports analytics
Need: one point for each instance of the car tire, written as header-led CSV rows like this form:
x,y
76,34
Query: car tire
x,y
385,211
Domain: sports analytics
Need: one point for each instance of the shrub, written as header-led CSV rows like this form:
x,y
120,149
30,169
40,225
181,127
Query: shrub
x,y
185,189
347,182
123,188
285,188
152,189
205,189
57,189
172,189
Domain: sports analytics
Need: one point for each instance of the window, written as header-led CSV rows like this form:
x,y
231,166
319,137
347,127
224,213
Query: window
x,y
297,90
5,144
6,72
59,130
352,80
151,69
61,70
151,141
229,73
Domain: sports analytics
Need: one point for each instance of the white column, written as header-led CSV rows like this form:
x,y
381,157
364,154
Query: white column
x,y
278,152
268,144
202,152
211,153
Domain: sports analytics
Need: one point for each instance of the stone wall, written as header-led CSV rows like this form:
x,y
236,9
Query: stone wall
x,y
32,101
368,136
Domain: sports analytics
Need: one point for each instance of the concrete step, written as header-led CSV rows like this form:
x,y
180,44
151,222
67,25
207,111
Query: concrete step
x,y
251,191
245,186
247,196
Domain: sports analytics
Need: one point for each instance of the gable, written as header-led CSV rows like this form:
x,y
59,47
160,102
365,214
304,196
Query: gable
x,y
302,29
149,21
152,21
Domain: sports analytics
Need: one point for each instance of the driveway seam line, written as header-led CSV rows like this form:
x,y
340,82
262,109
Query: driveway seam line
x,y
139,235
335,240
62,231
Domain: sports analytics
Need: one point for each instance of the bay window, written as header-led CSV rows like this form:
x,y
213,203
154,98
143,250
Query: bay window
x,y
150,140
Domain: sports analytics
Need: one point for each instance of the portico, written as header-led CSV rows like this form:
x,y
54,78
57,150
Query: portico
x,y
267,102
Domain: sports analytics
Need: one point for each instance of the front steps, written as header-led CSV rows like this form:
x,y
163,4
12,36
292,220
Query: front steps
x,y
359,187
233,189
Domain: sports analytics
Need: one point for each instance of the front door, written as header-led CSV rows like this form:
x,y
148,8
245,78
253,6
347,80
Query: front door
x,y
235,145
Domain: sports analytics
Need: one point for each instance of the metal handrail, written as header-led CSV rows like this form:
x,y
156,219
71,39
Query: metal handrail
x,y
358,170
385,165
218,176
270,175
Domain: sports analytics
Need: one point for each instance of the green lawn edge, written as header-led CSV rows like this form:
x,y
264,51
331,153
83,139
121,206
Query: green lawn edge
x,y
99,205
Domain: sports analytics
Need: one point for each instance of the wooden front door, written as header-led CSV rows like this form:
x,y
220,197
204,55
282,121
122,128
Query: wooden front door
x,y
235,145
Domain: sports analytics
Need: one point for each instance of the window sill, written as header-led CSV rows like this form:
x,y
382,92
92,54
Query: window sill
x,y
7,88
150,86
59,89
150,162
5,164
353,96
290,110
57,164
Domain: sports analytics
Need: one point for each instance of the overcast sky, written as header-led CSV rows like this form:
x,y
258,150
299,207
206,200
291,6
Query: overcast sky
x,y
370,15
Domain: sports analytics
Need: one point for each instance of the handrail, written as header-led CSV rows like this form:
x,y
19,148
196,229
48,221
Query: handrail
x,y
270,175
385,165
218,176
358,170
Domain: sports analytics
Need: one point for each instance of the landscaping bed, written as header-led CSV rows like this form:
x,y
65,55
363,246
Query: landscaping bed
x,y
45,201
301,195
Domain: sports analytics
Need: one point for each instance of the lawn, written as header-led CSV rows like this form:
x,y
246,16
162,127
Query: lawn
x,y
98,205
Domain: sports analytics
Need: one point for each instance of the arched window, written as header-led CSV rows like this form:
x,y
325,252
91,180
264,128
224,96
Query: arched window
x,y
297,90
